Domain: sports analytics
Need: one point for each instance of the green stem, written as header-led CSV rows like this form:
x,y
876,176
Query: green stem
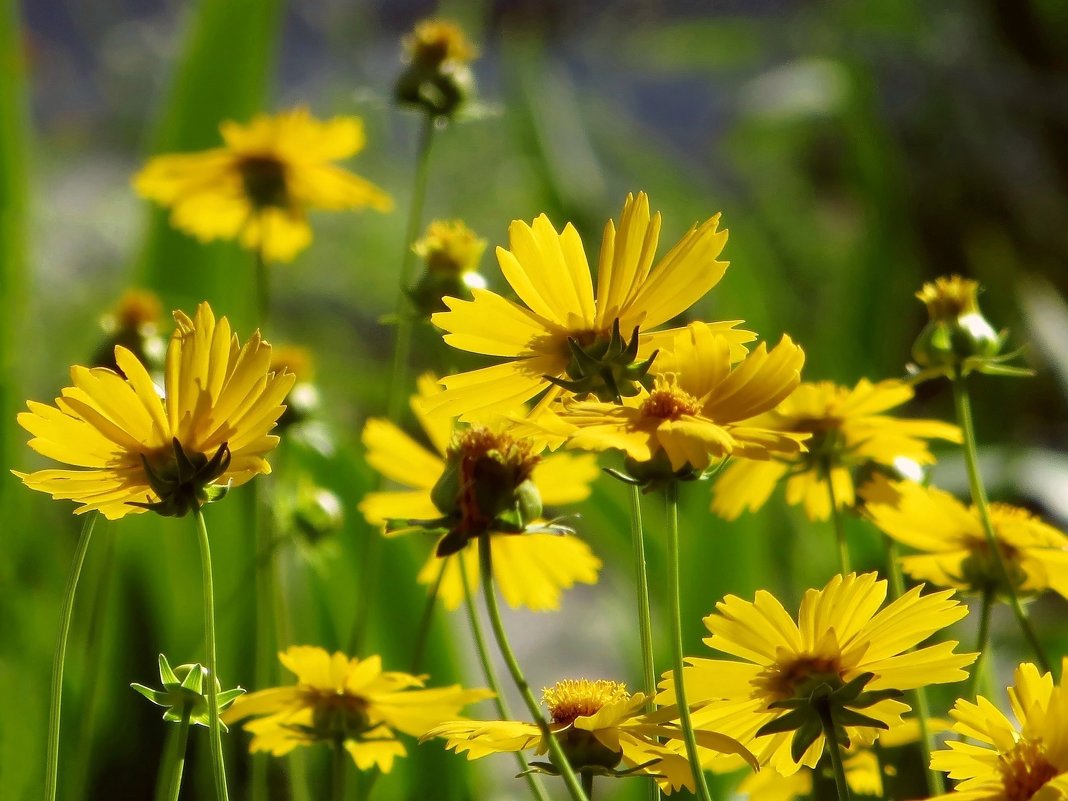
x,y
263,289
975,482
60,656
265,589
177,767
368,785
936,783
834,750
671,494
338,772
839,526
645,620
559,759
986,604
404,319
587,784
490,672
422,635
214,725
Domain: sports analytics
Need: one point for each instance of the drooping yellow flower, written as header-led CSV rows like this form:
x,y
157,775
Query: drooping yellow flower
x,y
132,449
600,726
567,336
1028,760
848,428
258,187
843,651
530,569
338,699
699,407
955,550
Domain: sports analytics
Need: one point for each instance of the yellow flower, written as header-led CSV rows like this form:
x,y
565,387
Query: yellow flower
x,y
841,644
530,569
955,550
437,79
346,701
699,407
451,253
599,726
957,335
135,450
259,185
1019,762
848,428
438,41
862,769
565,335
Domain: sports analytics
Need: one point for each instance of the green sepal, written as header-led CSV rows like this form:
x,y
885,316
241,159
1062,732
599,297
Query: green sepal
x,y
804,737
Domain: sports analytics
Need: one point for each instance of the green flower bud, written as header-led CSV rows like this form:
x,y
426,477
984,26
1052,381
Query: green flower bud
x,y
584,751
437,79
318,513
183,689
957,331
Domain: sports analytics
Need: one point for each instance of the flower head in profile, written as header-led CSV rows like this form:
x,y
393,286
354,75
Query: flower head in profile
x,y
844,654
349,702
437,78
258,187
451,253
133,322
601,729
699,408
1011,762
953,547
848,428
566,338
131,449
532,568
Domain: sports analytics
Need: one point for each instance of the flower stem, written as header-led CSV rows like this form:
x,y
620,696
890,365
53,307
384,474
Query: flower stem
x,y
975,481
490,672
422,635
936,783
645,620
671,494
834,751
559,759
986,604
338,771
587,784
263,289
839,526
214,725
60,656
176,758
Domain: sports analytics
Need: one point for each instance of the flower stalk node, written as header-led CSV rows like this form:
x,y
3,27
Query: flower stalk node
x,y
184,483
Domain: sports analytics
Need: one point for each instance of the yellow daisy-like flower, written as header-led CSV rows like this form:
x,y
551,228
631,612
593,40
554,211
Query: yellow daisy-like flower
x,y
349,702
699,407
848,428
600,726
1019,762
842,651
134,450
258,187
565,336
955,550
532,569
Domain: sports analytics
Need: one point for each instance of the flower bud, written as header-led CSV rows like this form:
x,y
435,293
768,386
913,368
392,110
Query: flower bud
x,y
302,402
451,253
437,79
957,330
183,689
318,513
133,323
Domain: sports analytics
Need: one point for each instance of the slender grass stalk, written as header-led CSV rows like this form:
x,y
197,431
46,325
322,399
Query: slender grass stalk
x,y
975,482
645,620
834,750
174,764
981,641
490,672
489,594
214,725
839,526
422,634
60,656
936,783
671,494
371,556
337,782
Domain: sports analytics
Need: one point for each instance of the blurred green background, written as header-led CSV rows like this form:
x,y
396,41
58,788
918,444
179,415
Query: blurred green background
x,y
855,150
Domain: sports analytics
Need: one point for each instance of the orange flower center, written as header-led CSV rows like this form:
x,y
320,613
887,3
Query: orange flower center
x,y
668,401
478,442
1025,770
799,677
573,698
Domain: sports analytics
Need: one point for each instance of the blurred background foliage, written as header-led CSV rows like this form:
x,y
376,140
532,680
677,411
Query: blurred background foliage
x,y
855,150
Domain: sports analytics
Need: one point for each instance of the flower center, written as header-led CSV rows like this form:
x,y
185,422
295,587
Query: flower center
x,y
573,698
668,401
798,678
949,298
264,179
336,714
478,442
1024,770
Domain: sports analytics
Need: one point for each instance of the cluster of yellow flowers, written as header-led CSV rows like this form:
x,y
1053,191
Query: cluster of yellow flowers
x,y
582,361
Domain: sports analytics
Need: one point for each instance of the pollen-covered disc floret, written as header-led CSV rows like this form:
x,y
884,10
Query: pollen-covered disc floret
x,y
1010,761
570,698
669,401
